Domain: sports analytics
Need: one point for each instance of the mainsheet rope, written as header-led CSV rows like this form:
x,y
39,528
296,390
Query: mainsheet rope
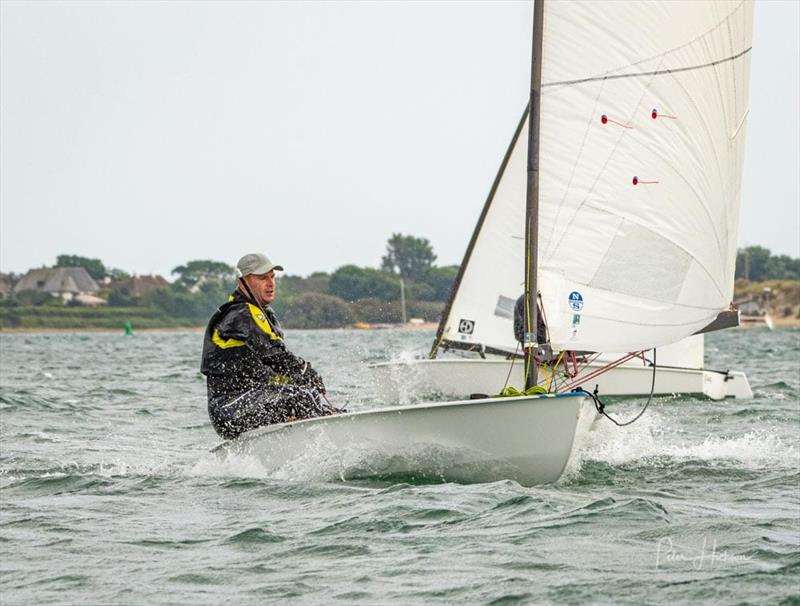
x,y
598,404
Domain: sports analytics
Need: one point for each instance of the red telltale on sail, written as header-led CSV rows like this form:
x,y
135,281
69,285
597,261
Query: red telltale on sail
x,y
604,119
655,115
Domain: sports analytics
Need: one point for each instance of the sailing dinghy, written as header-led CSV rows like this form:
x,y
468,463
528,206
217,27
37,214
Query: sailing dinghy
x,y
666,238
679,370
526,439
633,163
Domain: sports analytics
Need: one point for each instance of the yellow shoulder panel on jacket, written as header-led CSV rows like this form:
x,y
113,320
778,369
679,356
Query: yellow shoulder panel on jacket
x,y
262,322
225,343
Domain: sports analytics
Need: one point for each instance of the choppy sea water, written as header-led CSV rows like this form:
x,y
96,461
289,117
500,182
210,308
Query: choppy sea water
x,y
108,494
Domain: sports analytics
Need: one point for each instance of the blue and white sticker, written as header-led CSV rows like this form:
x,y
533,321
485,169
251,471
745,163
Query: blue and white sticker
x,y
575,300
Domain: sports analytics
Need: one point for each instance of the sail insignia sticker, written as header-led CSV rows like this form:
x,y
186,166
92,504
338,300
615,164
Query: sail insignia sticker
x,y
575,301
466,327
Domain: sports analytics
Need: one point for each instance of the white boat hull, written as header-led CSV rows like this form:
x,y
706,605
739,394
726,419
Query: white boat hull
x,y
459,377
527,439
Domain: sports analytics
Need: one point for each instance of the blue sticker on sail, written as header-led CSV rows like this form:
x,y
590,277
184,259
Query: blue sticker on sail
x,y
575,300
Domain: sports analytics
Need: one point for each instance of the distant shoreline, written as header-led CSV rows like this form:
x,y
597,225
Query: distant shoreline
x,y
197,329
785,322
33,330
778,322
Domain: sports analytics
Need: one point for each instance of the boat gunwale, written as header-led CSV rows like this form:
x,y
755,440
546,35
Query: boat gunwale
x,y
268,429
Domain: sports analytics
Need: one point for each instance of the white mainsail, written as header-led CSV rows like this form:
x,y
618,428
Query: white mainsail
x,y
643,110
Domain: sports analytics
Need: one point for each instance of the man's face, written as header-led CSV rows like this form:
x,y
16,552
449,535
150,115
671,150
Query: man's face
x,y
264,287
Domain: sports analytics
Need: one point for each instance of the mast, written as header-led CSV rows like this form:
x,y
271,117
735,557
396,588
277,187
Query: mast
x,y
532,200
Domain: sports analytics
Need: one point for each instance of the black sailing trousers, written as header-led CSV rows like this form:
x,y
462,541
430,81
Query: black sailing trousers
x,y
232,416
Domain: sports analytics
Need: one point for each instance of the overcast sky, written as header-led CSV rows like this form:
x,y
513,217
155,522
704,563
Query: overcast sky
x,y
148,134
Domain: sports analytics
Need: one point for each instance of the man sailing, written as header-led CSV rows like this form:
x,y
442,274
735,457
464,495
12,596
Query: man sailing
x,y
252,378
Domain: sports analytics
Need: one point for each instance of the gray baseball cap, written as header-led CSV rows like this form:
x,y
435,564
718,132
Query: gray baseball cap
x,y
255,263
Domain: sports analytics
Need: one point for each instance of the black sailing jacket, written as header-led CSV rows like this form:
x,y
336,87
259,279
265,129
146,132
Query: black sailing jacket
x,y
243,349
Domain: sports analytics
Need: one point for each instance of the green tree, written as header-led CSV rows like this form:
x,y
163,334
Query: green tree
x,y
35,297
419,290
199,272
211,295
290,285
430,311
120,296
783,268
316,310
377,311
117,274
408,256
756,264
352,283
751,263
440,279
94,267
176,302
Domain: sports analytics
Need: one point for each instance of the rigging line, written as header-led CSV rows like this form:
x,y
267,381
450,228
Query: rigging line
x,y
565,380
553,374
438,343
654,73
511,367
586,369
725,373
544,317
547,374
576,383
601,407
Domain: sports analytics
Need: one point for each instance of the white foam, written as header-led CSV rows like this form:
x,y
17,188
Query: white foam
x,y
404,375
232,466
652,439
108,468
318,461
405,356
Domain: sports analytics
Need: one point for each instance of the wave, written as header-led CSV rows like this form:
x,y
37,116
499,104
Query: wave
x,y
72,476
653,441
254,536
26,402
240,466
